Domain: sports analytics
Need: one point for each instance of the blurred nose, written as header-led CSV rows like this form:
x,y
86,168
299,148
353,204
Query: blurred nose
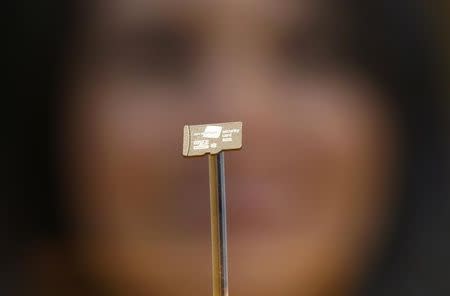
x,y
236,88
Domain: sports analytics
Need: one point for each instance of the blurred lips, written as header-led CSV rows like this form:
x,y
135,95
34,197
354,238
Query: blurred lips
x,y
254,206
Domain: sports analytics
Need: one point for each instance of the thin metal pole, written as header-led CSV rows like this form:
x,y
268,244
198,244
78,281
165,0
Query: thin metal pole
x,y
218,224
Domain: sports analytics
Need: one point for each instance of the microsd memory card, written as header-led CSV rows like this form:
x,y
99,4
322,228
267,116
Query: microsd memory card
x,y
211,138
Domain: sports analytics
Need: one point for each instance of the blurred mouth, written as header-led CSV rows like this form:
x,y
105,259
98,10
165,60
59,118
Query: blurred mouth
x,y
253,208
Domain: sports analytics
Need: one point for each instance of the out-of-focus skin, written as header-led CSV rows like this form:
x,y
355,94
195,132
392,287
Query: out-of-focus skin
x,y
309,194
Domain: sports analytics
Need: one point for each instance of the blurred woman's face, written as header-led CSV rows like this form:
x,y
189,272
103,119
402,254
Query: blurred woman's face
x,y
308,193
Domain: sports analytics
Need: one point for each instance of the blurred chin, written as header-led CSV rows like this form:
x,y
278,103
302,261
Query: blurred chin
x,y
257,266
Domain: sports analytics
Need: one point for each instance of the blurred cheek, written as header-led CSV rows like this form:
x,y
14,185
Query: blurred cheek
x,y
125,138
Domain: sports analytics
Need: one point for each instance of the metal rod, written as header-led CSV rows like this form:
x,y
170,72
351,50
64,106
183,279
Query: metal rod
x,y
218,224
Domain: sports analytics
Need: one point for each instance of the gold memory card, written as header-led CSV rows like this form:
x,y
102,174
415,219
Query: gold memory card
x,y
211,138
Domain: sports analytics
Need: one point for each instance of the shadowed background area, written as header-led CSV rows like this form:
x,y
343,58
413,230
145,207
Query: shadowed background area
x,y
341,187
